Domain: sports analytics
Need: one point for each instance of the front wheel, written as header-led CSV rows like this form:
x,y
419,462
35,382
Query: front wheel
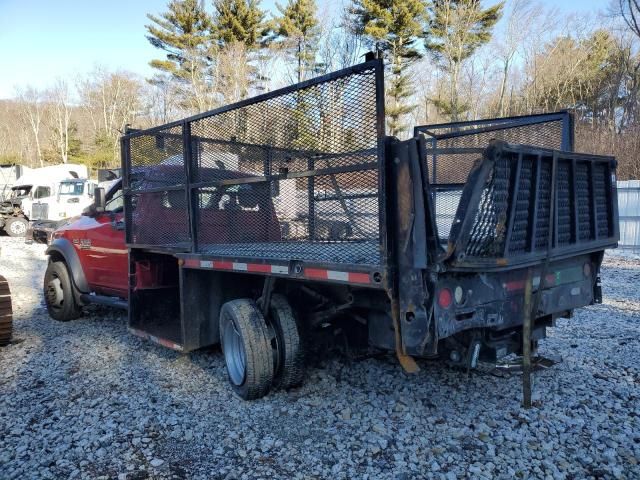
x,y
16,227
58,293
247,349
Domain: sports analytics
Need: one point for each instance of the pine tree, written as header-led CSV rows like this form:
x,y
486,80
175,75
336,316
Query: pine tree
x,y
239,21
185,28
298,32
184,32
457,28
393,26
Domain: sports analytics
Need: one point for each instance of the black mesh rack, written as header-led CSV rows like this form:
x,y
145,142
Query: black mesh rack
x,y
510,212
453,148
293,174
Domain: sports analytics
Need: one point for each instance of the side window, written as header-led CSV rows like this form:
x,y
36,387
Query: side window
x,y
42,192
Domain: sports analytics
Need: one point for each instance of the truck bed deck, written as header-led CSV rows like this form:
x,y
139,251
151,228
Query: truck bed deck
x,y
360,253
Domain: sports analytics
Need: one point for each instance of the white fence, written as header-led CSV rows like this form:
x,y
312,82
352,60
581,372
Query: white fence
x,y
629,211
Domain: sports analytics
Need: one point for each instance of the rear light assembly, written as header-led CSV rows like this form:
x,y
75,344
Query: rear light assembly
x,y
459,295
445,298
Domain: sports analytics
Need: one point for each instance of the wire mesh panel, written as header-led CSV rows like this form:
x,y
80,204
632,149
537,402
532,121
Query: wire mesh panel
x,y
454,148
513,215
157,159
158,218
293,174
487,237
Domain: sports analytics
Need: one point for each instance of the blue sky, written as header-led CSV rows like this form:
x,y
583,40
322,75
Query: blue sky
x,y
41,40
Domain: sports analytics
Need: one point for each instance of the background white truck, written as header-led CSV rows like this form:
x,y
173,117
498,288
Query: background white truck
x,y
49,193
9,173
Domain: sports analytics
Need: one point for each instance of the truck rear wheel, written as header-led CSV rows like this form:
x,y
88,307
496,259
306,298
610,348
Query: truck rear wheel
x,y
16,227
6,314
247,351
290,365
58,293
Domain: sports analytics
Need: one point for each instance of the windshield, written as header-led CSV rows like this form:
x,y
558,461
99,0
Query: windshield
x,y
71,188
20,191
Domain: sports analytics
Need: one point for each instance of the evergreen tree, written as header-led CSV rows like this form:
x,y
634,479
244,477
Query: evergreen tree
x,y
184,33
239,21
393,26
457,28
299,33
183,30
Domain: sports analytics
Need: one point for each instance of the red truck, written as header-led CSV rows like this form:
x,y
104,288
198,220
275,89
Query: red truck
x,y
257,224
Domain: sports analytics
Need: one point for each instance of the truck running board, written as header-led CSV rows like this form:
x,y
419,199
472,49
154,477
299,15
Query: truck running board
x,y
104,300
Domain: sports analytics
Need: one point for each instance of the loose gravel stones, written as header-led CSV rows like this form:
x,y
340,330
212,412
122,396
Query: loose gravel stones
x,y
85,399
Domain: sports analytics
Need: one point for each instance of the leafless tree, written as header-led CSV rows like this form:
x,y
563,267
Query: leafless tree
x,y
520,22
32,112
630,10
111,100
59,98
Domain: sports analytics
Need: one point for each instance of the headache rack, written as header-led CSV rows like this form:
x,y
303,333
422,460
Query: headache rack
x,y
292,175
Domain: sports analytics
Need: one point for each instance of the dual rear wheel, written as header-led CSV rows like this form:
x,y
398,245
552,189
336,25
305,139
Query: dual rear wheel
x,y
261,354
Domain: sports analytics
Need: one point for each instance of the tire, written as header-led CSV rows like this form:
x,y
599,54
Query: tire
x,y
58,293
16,227
290,349
6,313
246,347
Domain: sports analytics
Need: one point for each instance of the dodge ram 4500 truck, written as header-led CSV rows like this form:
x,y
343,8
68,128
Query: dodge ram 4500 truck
x,y
458,242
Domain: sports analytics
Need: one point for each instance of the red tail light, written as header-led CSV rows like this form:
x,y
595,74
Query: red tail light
x,y
445,298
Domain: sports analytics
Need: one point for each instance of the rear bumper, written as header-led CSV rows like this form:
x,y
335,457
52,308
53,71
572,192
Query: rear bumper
x,y
496,300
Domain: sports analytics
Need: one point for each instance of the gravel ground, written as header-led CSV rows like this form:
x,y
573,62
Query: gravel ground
x,y
87,399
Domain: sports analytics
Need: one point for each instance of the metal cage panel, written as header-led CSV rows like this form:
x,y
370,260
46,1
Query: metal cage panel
x,y
289,175
452,149
506,215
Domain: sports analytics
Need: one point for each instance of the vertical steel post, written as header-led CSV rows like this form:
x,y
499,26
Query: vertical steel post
x,y
190,197
526,340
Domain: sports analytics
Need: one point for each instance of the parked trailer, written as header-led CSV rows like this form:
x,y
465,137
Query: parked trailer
x,y
251,225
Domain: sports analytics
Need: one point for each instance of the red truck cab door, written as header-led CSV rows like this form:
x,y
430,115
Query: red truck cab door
x,y
106,259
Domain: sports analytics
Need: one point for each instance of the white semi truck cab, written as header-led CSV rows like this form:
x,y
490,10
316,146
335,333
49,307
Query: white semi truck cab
x,y
50,193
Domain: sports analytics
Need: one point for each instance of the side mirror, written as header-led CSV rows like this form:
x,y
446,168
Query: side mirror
x,y
99,199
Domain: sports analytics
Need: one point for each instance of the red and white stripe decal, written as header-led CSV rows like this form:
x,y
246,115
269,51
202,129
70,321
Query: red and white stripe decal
x,y
312,273
237,266
351,277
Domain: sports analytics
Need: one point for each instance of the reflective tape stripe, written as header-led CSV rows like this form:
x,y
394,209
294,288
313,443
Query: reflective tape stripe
x,y
340,276
351,277
313,273
237,266
222,265
359,277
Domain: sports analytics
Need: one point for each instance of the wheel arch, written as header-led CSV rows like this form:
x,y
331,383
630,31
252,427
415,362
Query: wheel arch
x,y
62,249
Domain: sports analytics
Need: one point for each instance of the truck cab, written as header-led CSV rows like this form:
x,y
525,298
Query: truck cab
x,y
88,258
70,199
